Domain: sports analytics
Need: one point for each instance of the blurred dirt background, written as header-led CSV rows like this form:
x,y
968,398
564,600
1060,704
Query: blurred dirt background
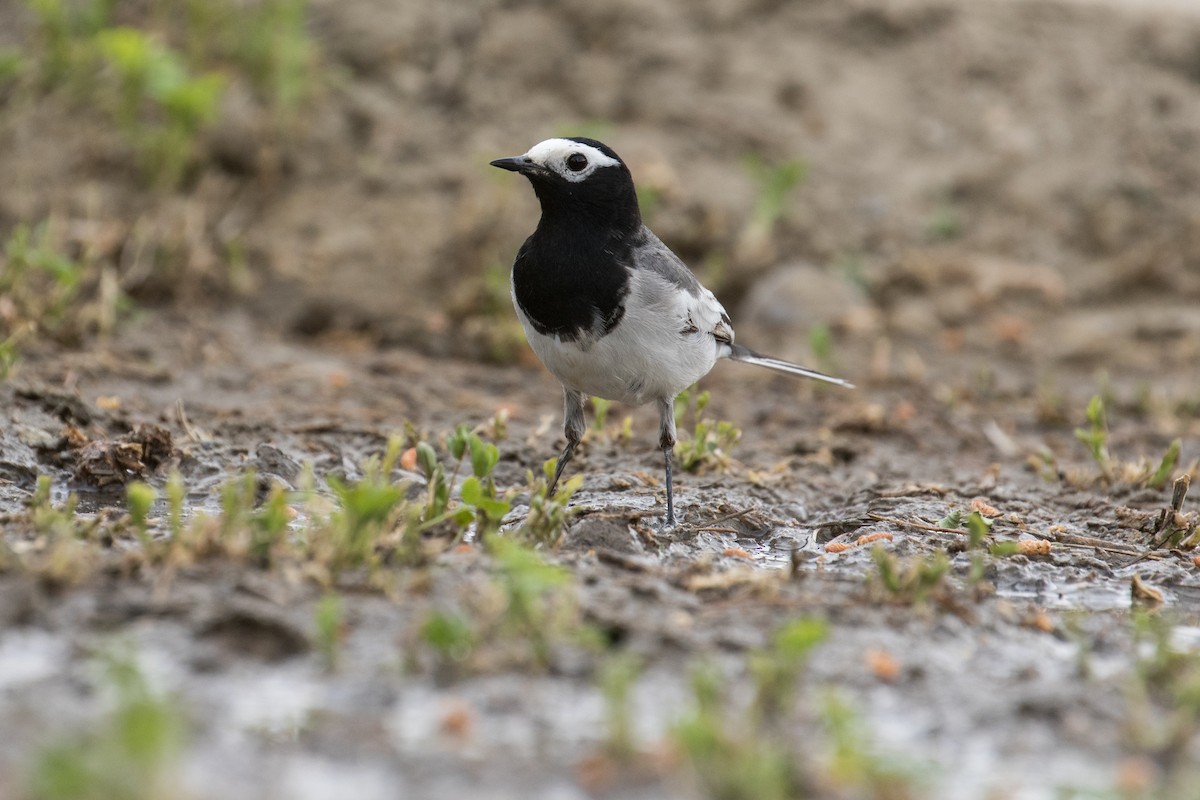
x,y
983,213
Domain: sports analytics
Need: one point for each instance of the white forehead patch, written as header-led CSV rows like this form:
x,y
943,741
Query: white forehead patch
x,y
553,153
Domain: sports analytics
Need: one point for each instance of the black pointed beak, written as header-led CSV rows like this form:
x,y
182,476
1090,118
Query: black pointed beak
x,y
514,164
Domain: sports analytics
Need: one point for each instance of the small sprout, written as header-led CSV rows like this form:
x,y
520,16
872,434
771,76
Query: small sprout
x,y
911,581
1166,467
427,459
269,523
500,424
484,456
458,441
978,528
329,618
1095,436
9,355
548,515
600,408
1005,549
140,498
732,759
618,676
952,520
853,762
820,342
130,753
708,443
778,669
449,635
775,185
489,510
59,522
530,586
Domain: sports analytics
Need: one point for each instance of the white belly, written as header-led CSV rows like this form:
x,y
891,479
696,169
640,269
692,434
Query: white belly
x,y
646,357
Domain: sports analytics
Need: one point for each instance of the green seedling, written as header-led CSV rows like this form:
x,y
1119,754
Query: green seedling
x,y
548,515
776,183
1163,702
269,523
731,761
600,408
366,509
978,529
708,443
778,670
131,753
853,765
237,504
329,617
437,494
820,342
57,522
39,279
450,636
532,589
1166,466
909,581
280,54
140,498
50,293
1139,472
70,553
499,426
952,520
489,510
618,677
161,106
480,502
12,66
9,355
65,32
1095,436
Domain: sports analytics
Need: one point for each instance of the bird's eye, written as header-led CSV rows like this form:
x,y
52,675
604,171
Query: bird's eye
x,y
576,162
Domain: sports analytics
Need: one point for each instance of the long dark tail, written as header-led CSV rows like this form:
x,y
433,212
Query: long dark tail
x,y
747,356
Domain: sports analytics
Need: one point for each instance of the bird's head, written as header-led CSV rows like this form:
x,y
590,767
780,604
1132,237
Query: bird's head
x,y
577,174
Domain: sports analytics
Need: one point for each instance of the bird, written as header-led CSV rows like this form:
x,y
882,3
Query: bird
x,y
608,308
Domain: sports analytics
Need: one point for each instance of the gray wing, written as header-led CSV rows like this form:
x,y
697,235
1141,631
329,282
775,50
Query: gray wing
x,y
649,253
703,311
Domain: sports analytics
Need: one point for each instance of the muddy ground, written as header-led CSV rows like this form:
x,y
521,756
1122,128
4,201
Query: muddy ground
x,y
998,222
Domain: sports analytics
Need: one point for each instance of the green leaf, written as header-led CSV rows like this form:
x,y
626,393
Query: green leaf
x,y
1004,549
1166,467
427,459
484,456
979,527
449,634
456,442
796,638
474,494
952,520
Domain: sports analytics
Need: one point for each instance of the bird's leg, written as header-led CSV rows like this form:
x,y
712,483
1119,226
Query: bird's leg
x,y
666,441
573,424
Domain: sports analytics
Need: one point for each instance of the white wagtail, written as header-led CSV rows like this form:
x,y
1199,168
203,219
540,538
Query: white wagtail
x,y
607,307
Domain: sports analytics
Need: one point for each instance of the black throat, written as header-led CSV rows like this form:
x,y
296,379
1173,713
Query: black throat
x,y
570,277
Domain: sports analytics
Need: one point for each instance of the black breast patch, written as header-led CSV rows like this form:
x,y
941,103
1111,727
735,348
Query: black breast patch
x,y
568,289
